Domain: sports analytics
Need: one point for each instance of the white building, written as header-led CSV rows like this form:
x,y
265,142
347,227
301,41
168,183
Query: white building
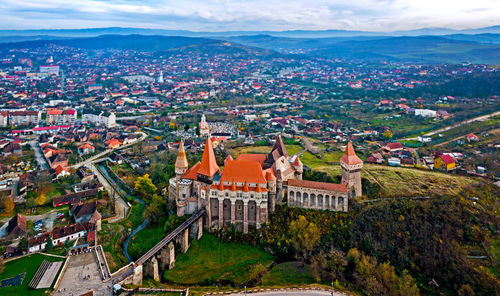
x,y
100,119
425,112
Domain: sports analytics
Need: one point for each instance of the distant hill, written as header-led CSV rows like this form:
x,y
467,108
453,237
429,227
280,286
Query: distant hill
x,y
93,32
456,48
421,49
152,43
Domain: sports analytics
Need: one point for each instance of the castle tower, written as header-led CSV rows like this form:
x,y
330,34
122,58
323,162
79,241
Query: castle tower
x,y
299,167
208,167
181,163
271,197
204,130
351,171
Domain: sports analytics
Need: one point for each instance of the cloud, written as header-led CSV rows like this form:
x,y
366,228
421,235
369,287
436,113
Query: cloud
x,y
217,15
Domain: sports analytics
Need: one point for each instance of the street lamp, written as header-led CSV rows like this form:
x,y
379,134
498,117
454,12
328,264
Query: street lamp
x,y
332,288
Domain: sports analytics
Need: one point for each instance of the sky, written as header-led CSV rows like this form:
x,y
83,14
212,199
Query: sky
x,y
249,15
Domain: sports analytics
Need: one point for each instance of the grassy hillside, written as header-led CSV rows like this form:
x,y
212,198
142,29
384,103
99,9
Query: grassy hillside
x,y
211,261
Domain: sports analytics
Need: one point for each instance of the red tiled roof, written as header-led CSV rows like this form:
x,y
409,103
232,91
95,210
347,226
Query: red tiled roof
x,y
260,158
350,156
208,165
318,185
447,158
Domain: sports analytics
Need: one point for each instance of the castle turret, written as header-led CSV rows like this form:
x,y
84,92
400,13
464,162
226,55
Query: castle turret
x,y
181,163
351,171
299,167
271,197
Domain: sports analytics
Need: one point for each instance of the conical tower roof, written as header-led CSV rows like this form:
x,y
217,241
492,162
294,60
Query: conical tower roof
x,y
208,166
181,161
280,146
350,156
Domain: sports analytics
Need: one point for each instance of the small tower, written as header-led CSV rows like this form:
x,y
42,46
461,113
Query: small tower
x,y
271,196
181,163
299,167
160,79
204,130
351,171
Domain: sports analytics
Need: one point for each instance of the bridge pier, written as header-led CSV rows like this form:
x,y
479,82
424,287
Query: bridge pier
x,y
168,256
245,216
137,277
152,269
200,228
185,240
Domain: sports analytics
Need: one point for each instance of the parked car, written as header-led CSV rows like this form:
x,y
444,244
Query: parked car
x,y
60,215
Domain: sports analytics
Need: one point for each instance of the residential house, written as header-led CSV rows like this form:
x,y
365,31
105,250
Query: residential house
x,y
16,227
393,147
472,138
444,162
86,149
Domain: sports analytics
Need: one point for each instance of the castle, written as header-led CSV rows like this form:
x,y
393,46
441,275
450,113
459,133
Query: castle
x,y
246,191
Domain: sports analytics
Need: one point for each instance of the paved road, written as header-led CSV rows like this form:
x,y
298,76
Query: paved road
x,y
97,157
291,293
40,158
120,205
479,118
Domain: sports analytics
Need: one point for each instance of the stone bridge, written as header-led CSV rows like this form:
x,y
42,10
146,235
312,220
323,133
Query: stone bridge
x,y
162,255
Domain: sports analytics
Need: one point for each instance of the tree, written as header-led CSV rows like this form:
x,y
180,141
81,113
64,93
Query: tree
x,y
23,244
49,245
329,266
40,199
144,185
7,206
388,134
305,237
67,243
155,208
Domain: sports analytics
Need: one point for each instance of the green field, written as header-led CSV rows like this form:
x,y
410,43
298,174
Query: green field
x,y
28,264
145,239
401,182
288,273
211,261
291,149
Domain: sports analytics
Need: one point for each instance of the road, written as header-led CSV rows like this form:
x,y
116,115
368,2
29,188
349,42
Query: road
x,y
120,205
291,293
479,118
98,156
40,158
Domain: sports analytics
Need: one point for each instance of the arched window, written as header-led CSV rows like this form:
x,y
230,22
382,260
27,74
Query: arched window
x,y
313,200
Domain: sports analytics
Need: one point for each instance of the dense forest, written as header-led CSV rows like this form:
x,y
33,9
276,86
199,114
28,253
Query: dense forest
x,y
393,247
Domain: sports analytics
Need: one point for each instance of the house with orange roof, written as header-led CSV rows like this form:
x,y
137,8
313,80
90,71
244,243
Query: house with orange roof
x,y
86,148
113,143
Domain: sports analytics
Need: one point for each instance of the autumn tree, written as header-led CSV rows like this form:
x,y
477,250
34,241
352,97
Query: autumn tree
x,y
144,185
155,208
304,236
7,206
329,266
388,134
40,199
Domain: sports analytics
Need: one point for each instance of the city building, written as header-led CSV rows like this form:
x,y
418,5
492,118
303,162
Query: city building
x,y
100,119
61,117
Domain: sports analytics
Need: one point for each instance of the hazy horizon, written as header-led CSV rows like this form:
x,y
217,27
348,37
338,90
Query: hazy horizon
x,y
253,15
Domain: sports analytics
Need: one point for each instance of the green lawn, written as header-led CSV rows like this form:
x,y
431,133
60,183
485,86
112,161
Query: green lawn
x,y
145,239
288,273
28,264
210,261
